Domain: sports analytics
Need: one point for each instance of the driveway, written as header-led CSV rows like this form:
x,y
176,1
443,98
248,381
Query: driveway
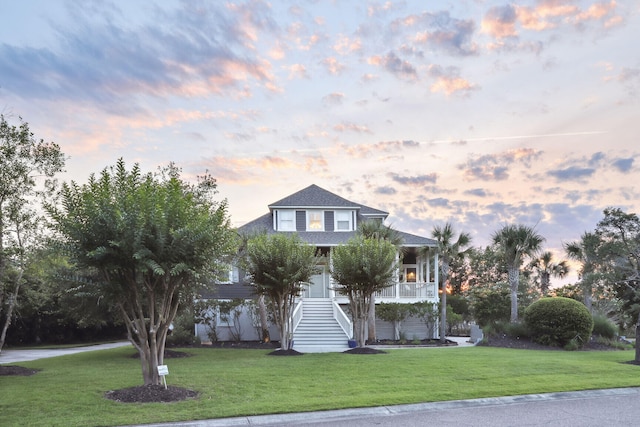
x,y
20,355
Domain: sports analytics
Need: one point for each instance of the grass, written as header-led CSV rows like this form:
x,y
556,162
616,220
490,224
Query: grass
x,y
69,389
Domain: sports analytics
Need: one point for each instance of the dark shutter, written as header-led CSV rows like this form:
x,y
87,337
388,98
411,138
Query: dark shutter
x,y
301,221
328,221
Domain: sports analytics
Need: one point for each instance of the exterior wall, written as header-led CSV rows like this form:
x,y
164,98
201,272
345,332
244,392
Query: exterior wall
x,y
248,331
411,328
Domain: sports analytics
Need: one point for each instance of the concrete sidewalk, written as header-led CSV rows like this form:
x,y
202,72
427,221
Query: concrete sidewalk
x,y
21,355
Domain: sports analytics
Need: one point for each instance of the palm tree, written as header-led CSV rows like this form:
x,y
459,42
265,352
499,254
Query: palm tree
x,y
546,268
448,250
585,251
516,242
377,230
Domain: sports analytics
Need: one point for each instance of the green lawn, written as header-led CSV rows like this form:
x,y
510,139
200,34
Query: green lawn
x,y
69,390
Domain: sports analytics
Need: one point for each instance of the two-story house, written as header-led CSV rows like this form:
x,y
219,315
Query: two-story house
x,y
326,220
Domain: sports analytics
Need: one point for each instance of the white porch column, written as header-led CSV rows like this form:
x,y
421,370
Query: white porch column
x,y
397,281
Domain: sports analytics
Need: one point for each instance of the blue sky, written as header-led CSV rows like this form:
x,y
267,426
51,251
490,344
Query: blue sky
x,y
480,113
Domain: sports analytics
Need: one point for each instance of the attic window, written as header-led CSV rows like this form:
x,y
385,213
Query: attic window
x,y
315,221
343,220
285,221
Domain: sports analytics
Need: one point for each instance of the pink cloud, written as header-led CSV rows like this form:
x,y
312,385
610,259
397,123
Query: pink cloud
x,y
451,85
351,127
297,71
345,45
332,65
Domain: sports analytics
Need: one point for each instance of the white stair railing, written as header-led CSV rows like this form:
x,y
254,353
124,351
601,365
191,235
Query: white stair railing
x,y
342,320
296,317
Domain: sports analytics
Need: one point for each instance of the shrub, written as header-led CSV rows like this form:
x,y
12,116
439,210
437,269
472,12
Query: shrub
x,y
512,330
182,332
491,306
394,313
557,321
517,330
604,327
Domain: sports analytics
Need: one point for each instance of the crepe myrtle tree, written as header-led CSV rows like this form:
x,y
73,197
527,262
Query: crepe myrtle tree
x,y
362,267
279,265
376,229
152,239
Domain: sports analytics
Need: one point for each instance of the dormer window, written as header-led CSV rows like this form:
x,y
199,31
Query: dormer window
x,y
286,221
343,221
315,220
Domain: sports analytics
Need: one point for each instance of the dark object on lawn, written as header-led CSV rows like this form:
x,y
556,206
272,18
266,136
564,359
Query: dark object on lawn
x,y
290,352
364,350
150,393
17,370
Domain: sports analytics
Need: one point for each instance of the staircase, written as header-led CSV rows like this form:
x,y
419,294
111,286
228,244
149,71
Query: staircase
x,y
319,331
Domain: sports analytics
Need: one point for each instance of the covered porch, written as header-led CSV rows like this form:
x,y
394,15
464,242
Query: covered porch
x,y
416,278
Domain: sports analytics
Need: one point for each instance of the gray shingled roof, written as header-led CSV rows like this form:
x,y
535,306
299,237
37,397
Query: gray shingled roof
x,y
316,197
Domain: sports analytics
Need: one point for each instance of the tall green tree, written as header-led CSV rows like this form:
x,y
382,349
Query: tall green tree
x,y
374,229
620,232
361,268
516,242
486,268
153,241
27,171
586,252
279,265
450,248
545,269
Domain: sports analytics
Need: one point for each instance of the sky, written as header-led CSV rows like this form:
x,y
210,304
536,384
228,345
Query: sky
x,y
480,113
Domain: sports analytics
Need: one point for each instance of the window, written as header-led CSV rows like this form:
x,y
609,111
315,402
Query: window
x,y
315,221
286,221
343,221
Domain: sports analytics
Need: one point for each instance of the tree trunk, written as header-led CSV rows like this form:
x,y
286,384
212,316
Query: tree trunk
x,y
264,322
13,299
588,298
637,359
443,313
545,279
514,279
371,335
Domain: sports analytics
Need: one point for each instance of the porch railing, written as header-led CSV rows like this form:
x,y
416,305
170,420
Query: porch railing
x,y
425,290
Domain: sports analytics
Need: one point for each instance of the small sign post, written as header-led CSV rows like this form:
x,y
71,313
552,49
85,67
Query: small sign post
x,y
162,371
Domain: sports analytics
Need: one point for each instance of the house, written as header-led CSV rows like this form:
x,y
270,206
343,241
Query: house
x,y
326,220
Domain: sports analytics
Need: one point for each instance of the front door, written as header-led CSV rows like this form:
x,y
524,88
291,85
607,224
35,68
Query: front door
x,y
319,287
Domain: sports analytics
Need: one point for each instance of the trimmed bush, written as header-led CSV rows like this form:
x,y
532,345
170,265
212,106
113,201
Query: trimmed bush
x,y
557,321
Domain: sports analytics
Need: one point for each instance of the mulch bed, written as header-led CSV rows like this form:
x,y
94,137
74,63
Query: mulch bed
x,y
415,343
290,352
151,393
364,350
17,370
